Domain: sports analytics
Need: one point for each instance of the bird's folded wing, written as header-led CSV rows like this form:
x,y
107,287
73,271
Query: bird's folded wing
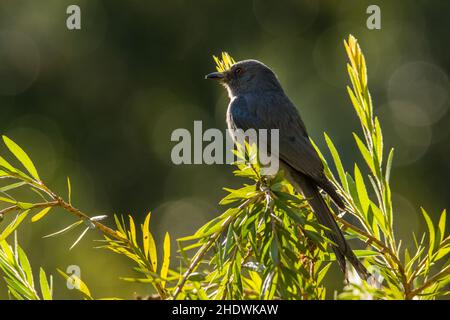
x,y
278,113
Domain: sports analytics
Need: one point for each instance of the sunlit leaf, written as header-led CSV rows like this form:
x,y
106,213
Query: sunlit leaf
x,y
152,252
69,190
431,231
13,225
379,139
22,157
8,200
132,230
12,186
46,290
40,214
166,259
365,153
441,225
25,265
362,191
145,234
78,284
79,238
389,165
64,230
337,161
323,272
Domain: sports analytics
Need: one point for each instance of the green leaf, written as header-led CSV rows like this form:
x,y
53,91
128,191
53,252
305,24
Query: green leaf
x,y
79,238
215,225
431,235
274,252
322,158
365,253
166,260
389,165
78,284
239,194
45,287
132,231
337,161
323,272
152,252
24,205
66,229
13,225
25,265
145,234
269,286
119,225
441,253
356,105
40,214
12,186
6,248
362,191
441,225
379,218
8,200
365,153
69,190
22,157
5,164
379,140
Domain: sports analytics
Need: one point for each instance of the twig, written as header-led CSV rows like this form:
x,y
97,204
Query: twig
x,y
199,255
194,264
34,206
429,283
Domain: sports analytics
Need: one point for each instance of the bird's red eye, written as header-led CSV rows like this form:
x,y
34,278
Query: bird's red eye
x,y
238,71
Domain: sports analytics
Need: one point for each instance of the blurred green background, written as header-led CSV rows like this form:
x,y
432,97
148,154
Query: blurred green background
x,y
99,105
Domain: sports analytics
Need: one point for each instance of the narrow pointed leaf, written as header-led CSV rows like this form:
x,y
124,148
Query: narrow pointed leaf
x,y
22,157
362,191
79,238
431,232
337,161
166,259
66,229
69,190
12,186
79,284
40,214
45,287
152,252
13,225
441,225
145,234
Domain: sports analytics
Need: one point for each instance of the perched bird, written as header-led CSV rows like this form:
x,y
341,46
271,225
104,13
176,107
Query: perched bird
x,y
257,101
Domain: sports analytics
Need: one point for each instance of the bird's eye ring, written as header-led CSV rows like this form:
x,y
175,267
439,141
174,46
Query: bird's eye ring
x,y
238,71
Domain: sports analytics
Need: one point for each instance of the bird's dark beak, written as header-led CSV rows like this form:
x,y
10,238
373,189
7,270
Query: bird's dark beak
x,y
215,76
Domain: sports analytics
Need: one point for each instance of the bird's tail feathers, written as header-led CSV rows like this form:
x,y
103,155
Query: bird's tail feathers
x,y
323,214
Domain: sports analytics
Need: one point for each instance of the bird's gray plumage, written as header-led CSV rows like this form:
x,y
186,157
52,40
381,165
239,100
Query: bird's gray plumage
x,y
257,101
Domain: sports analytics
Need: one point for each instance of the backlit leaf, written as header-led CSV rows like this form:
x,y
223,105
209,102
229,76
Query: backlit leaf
x,y
40,214
22,157
166,260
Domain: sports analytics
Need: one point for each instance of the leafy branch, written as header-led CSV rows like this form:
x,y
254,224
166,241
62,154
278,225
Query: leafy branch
x,y
51,200
19,278
267,243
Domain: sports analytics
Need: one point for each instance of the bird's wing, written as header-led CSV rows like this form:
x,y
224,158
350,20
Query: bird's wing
x,y
277,112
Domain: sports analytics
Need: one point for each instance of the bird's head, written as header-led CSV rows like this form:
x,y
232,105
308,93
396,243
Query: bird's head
x,y
247,76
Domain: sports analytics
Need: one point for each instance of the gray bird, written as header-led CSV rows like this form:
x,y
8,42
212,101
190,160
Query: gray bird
x,y
257,101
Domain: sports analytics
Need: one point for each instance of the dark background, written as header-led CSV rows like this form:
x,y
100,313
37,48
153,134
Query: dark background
x,y
99,105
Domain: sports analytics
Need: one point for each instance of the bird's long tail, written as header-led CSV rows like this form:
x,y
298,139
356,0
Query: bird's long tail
x,y
323,214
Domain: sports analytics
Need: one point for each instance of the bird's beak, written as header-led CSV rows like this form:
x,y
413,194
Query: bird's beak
x,y
215,76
